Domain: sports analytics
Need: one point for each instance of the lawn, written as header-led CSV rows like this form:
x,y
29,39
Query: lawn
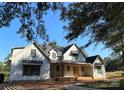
x,y
115,81
116,74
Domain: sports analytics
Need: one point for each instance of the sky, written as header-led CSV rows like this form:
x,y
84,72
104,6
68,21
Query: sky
x,y
10,39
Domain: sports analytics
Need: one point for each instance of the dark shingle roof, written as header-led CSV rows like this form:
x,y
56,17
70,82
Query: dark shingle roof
x,y
91,59
66,48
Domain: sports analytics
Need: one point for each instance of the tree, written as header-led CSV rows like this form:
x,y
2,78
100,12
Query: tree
x,y
111,64
30,15
53,43
104,21
4,69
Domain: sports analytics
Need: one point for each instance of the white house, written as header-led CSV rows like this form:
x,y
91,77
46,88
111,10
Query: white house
x,y
42,62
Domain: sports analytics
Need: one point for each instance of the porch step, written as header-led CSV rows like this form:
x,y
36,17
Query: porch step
x,y
84,78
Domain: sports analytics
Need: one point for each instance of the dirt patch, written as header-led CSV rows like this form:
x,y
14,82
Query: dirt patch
x,y
41,85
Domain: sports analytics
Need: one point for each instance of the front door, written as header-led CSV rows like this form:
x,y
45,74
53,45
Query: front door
x,y
57,71
76,71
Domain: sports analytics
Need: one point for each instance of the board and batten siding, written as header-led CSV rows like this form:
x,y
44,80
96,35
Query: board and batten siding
x,y
95,74
16,72
51,52
67,55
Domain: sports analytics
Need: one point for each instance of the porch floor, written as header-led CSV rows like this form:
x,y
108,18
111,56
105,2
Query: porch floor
x,y
85,78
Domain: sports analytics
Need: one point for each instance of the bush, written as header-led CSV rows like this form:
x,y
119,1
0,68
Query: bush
x,y
1,78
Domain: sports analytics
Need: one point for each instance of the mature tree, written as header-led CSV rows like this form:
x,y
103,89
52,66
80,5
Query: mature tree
x,y
103,22
30,15
112,64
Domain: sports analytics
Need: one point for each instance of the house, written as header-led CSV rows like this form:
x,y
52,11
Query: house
x,y
42,62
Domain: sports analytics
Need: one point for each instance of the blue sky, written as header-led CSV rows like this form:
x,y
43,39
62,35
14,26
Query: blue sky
x,y
9,38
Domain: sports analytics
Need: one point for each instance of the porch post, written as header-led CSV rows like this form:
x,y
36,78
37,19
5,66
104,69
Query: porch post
x,y
60,70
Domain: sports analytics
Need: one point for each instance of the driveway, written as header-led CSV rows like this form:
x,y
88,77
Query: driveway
x,y
43,86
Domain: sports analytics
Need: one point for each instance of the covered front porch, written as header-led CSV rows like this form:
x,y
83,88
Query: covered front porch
x,y
77,70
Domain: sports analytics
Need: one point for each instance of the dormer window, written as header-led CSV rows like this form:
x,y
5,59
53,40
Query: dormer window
x,y
75,57
53,55
74,52
33,53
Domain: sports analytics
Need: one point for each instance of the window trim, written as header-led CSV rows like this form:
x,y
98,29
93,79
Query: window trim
x,y
75,57
99,69
31,70
33,53
54,55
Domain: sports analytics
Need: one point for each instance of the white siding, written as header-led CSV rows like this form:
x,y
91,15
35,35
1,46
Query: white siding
x,y
95,74
25,54
53,51
67,55
16,51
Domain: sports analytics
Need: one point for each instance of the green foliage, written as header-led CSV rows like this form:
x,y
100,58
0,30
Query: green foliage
x,y
30,15
53,43
103,22
4,69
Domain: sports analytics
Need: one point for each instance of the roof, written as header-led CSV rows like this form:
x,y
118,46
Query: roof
x,y
18,48
39,48
66,48
45,48
91,59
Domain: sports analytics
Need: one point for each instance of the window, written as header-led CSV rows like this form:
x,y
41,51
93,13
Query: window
x,y
53,55
99,70
68,68
33,53
31,70
57,68
75,57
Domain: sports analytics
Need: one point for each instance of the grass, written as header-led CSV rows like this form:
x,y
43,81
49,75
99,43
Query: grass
x,y
116,74
115,82
107,85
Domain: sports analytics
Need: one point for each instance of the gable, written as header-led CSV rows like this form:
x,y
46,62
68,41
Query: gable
x,y
73,48
25,54
94,59
51,54
91,59
66,49
98,60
